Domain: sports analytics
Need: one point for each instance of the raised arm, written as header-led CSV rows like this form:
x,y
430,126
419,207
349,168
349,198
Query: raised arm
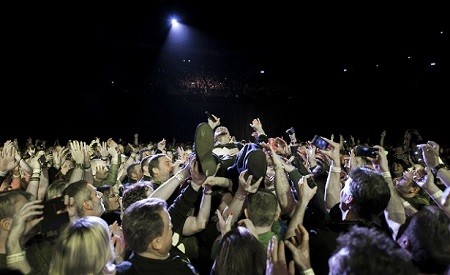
x,y
22,223
333,185
245,187
395,212
433,161
282,188
77,155
165,190
306,193
197,223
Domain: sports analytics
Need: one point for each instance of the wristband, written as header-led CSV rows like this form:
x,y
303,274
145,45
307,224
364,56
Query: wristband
x,y
437,168
179,177
406,204
386,175
437,195
335,169
240,197
14,258
308,271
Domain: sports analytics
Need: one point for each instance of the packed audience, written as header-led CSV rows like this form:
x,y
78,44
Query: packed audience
x,y
222,206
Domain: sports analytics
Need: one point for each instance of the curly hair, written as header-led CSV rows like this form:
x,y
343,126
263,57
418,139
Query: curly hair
x,y
135,192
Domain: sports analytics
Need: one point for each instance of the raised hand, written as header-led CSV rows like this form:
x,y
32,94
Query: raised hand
x,y
224,225
246,184
299,246
276,259
257,126
24,222
7,157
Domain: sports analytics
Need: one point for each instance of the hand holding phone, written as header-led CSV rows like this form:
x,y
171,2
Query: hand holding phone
x,y
365,151
319,142
209,116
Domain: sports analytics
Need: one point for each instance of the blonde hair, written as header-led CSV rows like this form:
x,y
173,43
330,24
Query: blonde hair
x,y
84,248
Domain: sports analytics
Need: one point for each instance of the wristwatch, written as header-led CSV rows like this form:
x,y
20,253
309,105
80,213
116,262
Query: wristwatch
x,y
437,168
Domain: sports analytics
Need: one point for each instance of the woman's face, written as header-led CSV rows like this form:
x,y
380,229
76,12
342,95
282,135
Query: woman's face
x,y
404,183
397,169
113,201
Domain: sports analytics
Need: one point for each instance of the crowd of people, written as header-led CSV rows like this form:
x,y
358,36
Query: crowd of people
x,y
261,205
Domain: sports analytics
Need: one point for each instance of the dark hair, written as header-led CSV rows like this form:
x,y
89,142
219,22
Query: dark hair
x,y
370,193
142,223
153,162
404,165
131,168
427,233
364,250
142,151
240,253
135,192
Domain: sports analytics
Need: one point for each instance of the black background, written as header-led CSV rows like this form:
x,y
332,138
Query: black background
x,y
58,63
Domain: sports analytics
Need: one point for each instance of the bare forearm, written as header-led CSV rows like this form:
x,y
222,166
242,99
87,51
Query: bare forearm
x,y
436,195
16,257
395,212
88,174
235,206
168,187
444,175
25,166
77,173
283,191
200,221
333,187
296,219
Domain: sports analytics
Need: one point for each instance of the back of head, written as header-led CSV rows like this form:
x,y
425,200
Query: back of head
x,y
370,193
131,169
365,250
240,253
80,194
8,200
426,235
56,188
83,247
142,223
135,192
262,208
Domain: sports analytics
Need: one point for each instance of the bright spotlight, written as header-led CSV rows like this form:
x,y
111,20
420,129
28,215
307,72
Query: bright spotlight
x,y
174,22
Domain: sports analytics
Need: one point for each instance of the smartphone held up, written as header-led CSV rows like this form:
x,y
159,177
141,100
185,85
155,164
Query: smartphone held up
x,y
319,142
